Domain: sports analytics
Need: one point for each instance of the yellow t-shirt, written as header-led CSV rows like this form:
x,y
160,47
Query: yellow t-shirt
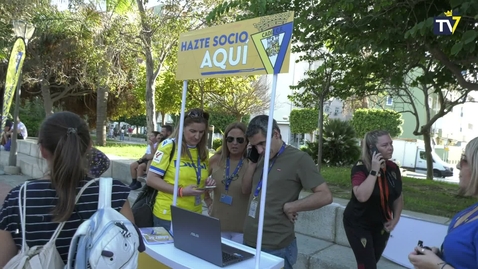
x,y
187,176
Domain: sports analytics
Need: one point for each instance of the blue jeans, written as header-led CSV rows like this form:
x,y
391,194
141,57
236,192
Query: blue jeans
x,y
166,224
289,254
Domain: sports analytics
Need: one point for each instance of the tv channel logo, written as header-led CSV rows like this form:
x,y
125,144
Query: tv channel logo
x,y
446,25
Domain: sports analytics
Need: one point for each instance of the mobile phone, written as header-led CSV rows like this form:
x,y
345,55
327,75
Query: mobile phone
x,y
252,154
373,150
206,188
420,244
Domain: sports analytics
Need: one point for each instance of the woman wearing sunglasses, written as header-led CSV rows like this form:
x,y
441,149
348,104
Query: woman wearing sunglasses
x,y
194,169
227,168
460,247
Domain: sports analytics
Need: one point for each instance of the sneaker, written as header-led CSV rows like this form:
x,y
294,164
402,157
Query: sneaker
x,y
133,183
136,186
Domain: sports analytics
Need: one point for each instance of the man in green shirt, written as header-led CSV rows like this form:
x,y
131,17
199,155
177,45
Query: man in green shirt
x,y
290,171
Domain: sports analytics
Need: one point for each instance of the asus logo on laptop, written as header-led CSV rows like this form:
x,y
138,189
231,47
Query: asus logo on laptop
x,y
194,234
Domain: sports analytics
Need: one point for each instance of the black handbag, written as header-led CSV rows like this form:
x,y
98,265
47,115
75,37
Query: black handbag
x,y
143,205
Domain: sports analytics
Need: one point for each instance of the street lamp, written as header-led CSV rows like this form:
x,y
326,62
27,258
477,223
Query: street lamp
x,y
23,30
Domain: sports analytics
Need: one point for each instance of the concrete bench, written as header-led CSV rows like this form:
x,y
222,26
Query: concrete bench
x,y
32,164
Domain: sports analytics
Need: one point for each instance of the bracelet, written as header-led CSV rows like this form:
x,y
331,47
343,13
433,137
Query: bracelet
x,y
444,264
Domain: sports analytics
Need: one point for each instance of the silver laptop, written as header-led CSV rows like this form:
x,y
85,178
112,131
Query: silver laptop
x,y
200,235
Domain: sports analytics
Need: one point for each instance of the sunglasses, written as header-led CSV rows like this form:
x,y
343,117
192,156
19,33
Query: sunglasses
x,y
197,113
239,140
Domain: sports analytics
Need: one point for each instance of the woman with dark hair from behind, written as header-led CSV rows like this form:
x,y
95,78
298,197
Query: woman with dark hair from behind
x,y
376,203
64,140
228,167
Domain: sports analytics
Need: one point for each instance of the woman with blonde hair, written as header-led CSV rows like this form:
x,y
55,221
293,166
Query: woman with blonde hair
x,y
459,249
376,203
193,169
228,166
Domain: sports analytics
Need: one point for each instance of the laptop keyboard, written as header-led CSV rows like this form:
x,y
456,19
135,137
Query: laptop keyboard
x,y
226,257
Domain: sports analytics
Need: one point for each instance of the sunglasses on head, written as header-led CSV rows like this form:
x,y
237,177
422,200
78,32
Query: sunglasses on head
x,y
239,140
198,113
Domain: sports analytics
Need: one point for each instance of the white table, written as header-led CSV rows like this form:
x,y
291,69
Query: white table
x,y
175,258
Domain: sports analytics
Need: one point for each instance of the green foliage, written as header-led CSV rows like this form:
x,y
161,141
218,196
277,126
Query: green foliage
x,y
383,39
220,120
339,144
239,96
365,120
303,120
216,143
32,114
139,120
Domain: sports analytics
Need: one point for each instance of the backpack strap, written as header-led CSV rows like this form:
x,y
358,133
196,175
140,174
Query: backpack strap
x,y
22,206
106,186
22,210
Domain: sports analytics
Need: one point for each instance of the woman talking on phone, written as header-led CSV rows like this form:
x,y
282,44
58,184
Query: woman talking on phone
x,y
227,168
376,204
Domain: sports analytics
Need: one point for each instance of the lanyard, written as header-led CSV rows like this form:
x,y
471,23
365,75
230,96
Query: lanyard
x,y
198,168
228,178
259,185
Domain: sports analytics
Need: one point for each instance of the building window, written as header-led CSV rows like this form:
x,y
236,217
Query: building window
x,y
326,109
389,101
336,113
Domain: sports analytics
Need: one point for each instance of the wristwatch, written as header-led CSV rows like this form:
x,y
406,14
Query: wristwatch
x,y
373,173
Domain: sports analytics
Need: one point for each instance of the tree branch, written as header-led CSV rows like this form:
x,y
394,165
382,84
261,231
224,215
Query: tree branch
x,y
455,69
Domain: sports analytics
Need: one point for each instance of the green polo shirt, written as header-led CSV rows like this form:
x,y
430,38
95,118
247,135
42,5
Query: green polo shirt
x,y
293,171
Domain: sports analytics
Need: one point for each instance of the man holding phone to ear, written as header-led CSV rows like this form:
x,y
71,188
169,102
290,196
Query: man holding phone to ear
x,y
290,170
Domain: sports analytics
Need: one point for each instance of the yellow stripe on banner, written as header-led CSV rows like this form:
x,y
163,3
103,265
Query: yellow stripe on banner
x,y
146,262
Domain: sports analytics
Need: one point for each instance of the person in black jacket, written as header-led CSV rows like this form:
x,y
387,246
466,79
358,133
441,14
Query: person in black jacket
x,y
376,204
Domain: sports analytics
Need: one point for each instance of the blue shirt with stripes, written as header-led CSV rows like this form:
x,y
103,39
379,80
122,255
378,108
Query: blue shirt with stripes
x,y
41,199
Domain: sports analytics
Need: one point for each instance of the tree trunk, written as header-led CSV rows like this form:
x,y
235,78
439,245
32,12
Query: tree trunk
x,y
46,95
150,73
321,131
150,93
163,118
101,115
202,95
428,153
365,102
239,118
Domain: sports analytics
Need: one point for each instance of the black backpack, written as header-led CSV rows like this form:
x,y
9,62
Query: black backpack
x,y
143,205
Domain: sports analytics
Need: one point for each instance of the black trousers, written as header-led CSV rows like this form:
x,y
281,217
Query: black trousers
x,y
367,244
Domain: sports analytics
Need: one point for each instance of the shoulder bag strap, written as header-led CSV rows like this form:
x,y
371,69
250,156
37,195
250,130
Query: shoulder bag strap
x,y
106,186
